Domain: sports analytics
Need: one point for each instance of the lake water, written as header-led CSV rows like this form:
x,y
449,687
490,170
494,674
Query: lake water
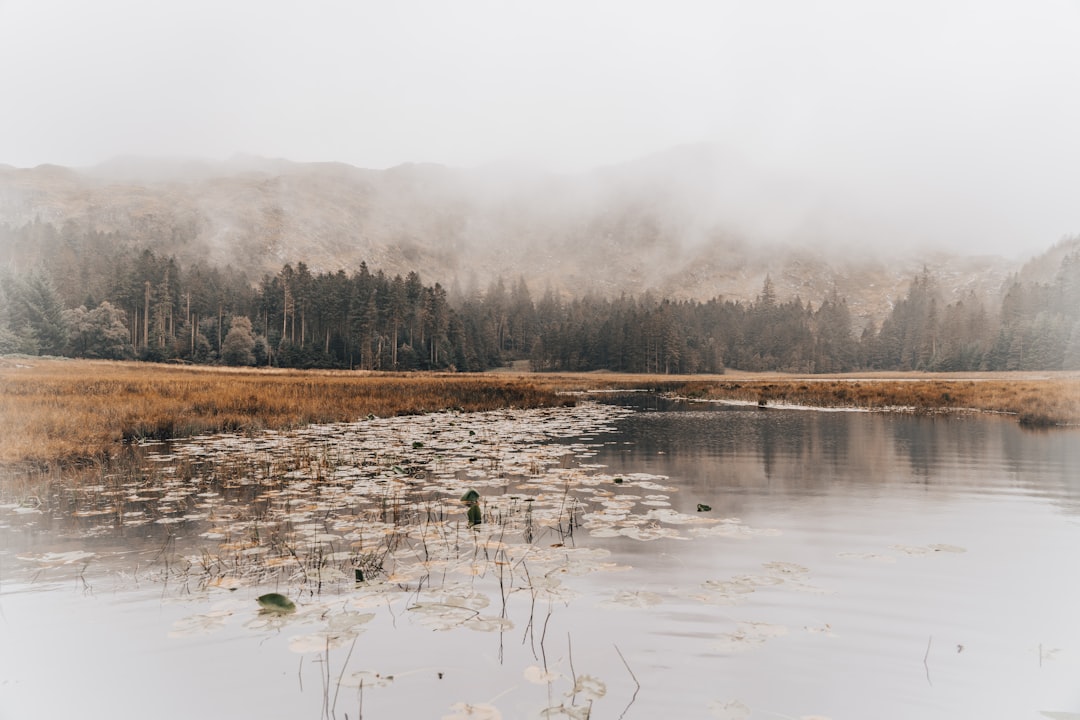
x,y
638,559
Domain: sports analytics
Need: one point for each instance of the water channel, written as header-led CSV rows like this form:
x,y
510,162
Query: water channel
x,y
639,558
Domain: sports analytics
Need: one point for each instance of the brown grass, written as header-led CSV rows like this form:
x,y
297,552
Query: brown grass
x,y
57,411
1034,400
71,411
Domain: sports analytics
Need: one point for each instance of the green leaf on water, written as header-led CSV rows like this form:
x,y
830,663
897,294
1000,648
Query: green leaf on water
x,y
276,603
702,507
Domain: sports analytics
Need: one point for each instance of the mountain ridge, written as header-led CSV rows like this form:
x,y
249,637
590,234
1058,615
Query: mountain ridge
x,y
689,223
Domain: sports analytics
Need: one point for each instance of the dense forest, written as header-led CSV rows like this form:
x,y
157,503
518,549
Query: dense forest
x,y
97,295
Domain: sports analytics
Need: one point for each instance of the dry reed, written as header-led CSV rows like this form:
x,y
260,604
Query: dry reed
x,y
1035,401
64,411
71,411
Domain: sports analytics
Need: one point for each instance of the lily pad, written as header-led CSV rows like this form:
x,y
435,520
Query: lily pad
x,y
733,710
539,676
589,686
480,711
276,603
366,679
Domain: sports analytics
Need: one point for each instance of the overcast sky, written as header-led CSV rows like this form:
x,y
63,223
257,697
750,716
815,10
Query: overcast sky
x,y
961,119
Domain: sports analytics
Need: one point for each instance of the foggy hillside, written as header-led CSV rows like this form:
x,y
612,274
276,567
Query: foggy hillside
x,y
691,222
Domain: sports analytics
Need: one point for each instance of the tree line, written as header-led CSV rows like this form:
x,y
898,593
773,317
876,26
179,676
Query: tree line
x,y
92,295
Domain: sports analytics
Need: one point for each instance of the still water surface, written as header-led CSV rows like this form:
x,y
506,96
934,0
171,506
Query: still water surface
x,y
843,565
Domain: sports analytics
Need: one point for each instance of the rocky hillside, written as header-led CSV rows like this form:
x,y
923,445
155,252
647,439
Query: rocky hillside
x,y
688,223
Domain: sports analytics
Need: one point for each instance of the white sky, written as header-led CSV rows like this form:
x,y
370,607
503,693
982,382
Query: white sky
x,y
958,120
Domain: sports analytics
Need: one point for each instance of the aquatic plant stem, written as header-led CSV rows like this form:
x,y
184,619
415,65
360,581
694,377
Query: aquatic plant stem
x,y
637,685
927,655
333,707
573,672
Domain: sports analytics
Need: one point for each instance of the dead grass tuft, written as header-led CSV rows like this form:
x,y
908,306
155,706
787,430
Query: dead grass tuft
x,y
81,411
78,412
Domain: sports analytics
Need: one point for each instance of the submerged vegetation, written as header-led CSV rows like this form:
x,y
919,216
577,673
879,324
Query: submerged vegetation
x,y
57,411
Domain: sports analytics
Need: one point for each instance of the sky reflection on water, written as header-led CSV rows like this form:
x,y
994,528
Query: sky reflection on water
x,y
852,565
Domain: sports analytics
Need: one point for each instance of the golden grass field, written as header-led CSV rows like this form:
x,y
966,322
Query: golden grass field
x,y
55,412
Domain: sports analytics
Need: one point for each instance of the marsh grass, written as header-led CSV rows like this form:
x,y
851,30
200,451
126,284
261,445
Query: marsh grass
x,y
79,412
316,510
1044,401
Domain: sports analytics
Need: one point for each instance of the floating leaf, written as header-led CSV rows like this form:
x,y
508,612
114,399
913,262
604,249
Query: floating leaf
x,y
915,550
702,507
571,712
441,617
276,603
941,547
318,642
481,711
366,679
733,710
201,624
588,686
490,624
539,676
825,629
634,599
748,635
348,622
785,569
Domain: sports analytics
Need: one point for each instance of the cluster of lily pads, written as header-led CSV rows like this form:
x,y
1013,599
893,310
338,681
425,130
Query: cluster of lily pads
x,y
442,518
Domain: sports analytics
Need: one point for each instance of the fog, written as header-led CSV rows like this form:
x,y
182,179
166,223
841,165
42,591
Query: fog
x,y
921,124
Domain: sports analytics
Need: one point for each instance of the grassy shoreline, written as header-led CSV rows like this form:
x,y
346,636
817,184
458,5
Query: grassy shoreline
x,y
61,412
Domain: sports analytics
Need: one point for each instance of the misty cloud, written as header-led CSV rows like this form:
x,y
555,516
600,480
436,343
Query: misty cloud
x,y
919,123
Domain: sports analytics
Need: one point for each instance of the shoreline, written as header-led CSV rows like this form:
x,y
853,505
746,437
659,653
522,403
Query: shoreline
x,y
61,413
